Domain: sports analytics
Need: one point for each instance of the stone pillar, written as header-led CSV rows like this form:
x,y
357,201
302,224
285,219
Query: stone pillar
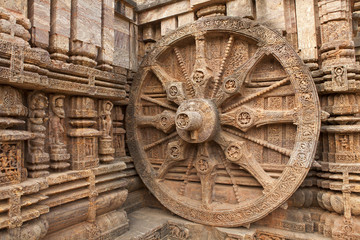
x,y
83,135
336,33
39,15
12,168
60,29
106,52
15,26
306,32
38,159
339,94
85,37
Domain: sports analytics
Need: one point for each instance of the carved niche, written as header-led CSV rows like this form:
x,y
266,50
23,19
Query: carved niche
x,y
58,151
12,139
83,134
106,149
118,132
223,121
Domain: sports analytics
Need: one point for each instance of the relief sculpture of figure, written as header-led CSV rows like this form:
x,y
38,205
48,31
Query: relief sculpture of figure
x,y
106,149
56,121
58,152
105,119
38,158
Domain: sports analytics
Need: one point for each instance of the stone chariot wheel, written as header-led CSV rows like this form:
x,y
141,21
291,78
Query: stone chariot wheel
x,y
223,121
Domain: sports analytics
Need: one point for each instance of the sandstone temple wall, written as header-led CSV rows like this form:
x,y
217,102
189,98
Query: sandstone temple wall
x,y
65,171
66,70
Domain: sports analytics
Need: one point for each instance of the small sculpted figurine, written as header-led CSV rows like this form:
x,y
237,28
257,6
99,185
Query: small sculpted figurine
x,y
56,121
105,118
37,119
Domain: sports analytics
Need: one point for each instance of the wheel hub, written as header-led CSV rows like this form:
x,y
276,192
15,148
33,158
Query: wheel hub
x,y
197,120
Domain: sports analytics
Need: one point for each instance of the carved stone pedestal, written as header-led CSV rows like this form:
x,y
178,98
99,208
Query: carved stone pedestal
x,y
59,157
106,150
84,148
83,138
39,165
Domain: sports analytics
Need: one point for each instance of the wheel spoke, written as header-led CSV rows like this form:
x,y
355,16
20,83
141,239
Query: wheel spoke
x,y
164,121
187,174
202,74
245,117
222,66
232,178
206,166
174,89
175,152
237,152
158,102
232,84
284,151
151,145
257,94
162,75
189,86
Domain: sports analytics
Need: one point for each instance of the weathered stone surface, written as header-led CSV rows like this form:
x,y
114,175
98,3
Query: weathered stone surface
x,y
84,44
186,18
87,15
271,14
60,29
241,8
306,29
168,25
165,12
106,53
19,8
39,15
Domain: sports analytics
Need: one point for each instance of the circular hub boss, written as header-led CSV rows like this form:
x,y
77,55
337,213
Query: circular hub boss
x,y
223,121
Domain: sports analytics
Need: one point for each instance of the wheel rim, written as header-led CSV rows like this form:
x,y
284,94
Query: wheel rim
x,y
194,118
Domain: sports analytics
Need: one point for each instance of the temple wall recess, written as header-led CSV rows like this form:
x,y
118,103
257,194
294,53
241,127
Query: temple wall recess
x,y
62,101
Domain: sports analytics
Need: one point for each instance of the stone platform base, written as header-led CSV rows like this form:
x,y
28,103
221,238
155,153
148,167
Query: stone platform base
x,y
156,224
106,226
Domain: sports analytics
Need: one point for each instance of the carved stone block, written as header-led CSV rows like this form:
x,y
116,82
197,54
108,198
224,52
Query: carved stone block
x,y
12,169
83,138
40,21
84,44
60,29
339,78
